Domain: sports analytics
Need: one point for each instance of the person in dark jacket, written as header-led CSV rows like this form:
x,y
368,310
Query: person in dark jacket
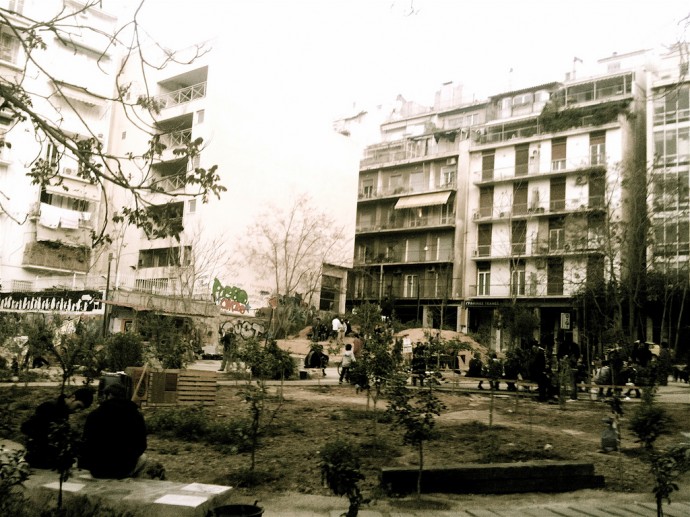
x,y
114,438
41,453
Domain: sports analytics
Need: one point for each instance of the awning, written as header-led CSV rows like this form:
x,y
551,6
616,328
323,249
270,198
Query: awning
x,y
431,199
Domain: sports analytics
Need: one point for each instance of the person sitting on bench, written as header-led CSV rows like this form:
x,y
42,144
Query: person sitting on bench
x,y
114,438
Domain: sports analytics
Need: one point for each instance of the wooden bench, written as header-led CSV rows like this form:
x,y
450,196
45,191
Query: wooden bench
x,y
140,497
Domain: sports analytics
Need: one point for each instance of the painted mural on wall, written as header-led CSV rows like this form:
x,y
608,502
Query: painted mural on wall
x,y
74,302
230,298
245,329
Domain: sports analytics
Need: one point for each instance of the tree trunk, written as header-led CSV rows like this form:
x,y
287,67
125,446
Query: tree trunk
x,y
421,468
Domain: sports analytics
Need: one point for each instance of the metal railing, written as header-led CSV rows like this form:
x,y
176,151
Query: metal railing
x,y
181,96
402,224
373,193
535,169
179,138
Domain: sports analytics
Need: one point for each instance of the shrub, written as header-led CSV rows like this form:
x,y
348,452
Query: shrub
x,y
649,420
123,350
340,469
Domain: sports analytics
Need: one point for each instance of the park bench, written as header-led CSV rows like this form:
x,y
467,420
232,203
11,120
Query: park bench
x,y
140,497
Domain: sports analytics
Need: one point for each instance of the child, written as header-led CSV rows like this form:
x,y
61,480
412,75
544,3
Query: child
x,y
348,359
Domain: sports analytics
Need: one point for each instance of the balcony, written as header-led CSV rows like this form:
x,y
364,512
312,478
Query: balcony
x,y
583,165
54,256
539,288
429,221
405,150
371,193
177,139
181,96
398,259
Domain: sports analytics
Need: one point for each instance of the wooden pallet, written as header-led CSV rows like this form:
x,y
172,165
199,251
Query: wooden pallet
x,y
174,387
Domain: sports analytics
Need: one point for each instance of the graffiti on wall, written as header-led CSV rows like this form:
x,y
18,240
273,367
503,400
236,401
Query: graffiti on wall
x,y
230,298
245,329
82,302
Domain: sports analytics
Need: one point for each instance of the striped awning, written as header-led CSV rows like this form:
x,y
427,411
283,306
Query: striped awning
x,y
431,199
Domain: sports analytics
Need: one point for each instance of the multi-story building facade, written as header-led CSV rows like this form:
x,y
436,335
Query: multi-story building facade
x,y
504,202
668,145
409,240
46,232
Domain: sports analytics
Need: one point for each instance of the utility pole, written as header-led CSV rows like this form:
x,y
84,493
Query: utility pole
x,y
106,311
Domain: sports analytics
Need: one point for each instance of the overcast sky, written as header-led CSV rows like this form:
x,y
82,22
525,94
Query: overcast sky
x,y
330,54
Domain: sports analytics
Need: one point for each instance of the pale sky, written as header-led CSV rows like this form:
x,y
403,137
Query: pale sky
x,y
294,66
332,53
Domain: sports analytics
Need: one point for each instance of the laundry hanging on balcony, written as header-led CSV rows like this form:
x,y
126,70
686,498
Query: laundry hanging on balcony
x,y
430,199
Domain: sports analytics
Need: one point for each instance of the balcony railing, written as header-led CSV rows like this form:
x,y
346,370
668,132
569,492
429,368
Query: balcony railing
x,y
188,94
535,169
540,248
417,222
396,258
372,193
539,288
177,138
522,211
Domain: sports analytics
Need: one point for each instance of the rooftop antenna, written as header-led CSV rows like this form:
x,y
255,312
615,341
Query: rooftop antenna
x,y
575,61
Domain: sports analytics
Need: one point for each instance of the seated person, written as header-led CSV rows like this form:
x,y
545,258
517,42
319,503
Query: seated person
x,y
114,437
41,453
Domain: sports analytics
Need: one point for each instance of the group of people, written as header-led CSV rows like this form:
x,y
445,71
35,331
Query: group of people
x,y
111,444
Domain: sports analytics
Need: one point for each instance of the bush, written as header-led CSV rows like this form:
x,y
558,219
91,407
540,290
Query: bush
x,y
267,361
123,350
193,424
649,420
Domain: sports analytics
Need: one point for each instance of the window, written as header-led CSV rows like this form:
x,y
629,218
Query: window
x,y
556,235
484,240
519,198
554,284
367,190
417,181
557,194
597,148
191,206
483,279
66,202
521,160
517,280
518,235
9,46
200,116
486,201
411,286
558,162
488,158
164,257
448,176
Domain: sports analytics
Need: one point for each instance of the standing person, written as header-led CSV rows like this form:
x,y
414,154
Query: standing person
x,y
476,369
337,327
114,437
357,345
348,359
40,452
419,363
228,342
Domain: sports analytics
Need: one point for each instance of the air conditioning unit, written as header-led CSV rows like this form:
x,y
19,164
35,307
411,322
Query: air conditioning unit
x,y
431,269
566,247
451,161
581,180
68,171
476,215
541,263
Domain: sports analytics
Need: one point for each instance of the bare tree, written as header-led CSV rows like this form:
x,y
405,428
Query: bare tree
x,y
290,246
44,111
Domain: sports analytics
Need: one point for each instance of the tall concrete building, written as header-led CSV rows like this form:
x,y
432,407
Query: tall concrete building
x,y
45,233
466,208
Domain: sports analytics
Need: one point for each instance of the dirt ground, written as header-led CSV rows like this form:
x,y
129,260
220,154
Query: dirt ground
x,y
287,459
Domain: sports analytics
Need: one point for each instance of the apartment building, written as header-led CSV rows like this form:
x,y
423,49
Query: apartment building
x,y
466,209
668,153
46,257
409,238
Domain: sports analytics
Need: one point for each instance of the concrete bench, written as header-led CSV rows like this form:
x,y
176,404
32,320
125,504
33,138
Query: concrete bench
x,y
141,497
494,478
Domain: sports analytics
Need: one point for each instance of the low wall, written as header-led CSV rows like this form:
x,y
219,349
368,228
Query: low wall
x,y
494,478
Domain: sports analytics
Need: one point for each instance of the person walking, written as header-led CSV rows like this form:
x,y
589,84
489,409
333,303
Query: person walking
x,y
348,359
476,369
